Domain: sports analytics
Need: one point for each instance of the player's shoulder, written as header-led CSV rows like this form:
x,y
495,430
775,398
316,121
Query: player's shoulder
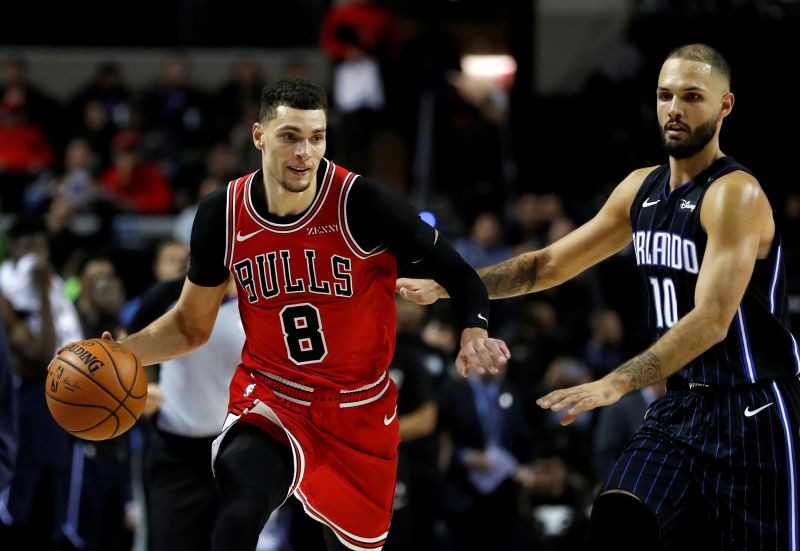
x,y
738,185
735,191
637,176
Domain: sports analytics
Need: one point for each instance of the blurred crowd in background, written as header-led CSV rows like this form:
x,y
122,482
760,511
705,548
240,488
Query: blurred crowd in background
x,y
97,197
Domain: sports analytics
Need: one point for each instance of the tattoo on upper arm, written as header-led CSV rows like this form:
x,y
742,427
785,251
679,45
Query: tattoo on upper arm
x,y
640,371
515,276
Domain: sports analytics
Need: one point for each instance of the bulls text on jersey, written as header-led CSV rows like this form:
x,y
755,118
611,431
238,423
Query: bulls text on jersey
x,y
665,249
269,274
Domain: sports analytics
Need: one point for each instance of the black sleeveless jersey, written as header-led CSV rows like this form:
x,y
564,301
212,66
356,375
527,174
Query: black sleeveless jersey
x,y
669,243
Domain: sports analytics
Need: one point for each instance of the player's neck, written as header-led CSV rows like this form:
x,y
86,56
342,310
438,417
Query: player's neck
x,y
683,170
283,202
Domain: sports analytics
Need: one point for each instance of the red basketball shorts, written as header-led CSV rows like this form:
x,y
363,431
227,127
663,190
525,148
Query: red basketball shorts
x,y
344,445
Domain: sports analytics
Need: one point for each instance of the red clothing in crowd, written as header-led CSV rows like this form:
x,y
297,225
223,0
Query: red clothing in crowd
x,y
23,148
144,189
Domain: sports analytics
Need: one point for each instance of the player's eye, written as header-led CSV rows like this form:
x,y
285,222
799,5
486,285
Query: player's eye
x,y
664,96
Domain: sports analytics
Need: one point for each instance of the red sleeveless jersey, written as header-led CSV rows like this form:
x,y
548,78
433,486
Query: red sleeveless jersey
x,y
317,309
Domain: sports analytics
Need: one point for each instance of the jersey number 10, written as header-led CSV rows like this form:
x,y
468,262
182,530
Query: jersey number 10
x,y
665,301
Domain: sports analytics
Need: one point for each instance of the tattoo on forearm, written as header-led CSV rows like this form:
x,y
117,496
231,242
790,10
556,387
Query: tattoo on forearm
x,y
639,372
516,276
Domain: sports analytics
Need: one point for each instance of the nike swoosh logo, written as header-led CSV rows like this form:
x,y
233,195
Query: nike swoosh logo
x,y
240,237
388,420
647,202
484,319
749,413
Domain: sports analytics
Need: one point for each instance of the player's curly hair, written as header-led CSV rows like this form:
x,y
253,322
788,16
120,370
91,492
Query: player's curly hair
x,y
704,54
297,93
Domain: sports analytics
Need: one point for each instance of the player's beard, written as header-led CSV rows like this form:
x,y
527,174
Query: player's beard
x,y
695,139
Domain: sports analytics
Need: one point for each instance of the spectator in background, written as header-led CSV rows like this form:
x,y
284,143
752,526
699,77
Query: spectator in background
x,y
361,38
174,121
182,231
8,413
181,494
242,89
24,149
560,480
75,183
102,513
417,413
606,348
39,319
485,245
106,88
98,130
170,261
43,111
483,423
218,162
133,183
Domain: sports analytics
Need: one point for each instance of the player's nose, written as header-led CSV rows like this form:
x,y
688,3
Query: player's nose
x,y
302,149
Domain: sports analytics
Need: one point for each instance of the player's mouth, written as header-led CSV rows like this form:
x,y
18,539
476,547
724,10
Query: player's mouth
x,y
674,130
299,171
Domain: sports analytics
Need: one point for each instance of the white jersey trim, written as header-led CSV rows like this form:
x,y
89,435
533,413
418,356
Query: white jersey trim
x,y
305,219
316,515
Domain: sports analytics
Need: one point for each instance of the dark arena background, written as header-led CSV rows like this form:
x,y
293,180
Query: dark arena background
x,y
505,123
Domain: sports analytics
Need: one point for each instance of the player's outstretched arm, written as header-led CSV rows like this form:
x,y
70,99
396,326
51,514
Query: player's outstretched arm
x,y
736,216
180,330
605,234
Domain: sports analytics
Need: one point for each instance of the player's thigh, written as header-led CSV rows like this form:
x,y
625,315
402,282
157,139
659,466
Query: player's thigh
x,y
249,457
654,470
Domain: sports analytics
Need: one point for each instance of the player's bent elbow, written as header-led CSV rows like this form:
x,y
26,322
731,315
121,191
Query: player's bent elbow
x,y
717,330
197,337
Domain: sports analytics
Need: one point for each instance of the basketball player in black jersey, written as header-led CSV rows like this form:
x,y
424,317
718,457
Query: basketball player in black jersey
x,y
721,446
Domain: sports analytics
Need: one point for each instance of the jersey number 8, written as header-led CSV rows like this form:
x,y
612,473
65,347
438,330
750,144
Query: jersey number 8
x,y
302,334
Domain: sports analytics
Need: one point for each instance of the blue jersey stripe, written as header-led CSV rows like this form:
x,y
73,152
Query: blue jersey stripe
x,y
790,461
774,284
747,357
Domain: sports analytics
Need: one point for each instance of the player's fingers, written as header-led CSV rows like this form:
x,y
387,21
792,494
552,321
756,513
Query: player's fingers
x,y
566,401
550,398
483,356
585,404
462,366
107,336
499,350
503,348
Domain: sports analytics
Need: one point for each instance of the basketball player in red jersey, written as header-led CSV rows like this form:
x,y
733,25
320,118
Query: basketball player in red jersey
x,y
314,250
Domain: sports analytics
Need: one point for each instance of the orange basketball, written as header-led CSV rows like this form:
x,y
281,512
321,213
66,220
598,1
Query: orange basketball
x,y
96,389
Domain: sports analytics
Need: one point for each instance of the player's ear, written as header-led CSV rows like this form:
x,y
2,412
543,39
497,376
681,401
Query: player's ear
x,y
258,136
727,104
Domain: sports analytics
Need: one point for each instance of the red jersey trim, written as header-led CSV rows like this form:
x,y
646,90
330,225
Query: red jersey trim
x,y
349,240
309,215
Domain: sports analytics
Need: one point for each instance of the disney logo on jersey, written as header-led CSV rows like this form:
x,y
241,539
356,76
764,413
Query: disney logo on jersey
x,y
665,249
319,230
267,275
687,205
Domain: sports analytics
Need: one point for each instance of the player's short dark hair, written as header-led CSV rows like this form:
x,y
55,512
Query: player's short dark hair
x,y
297,93
704,54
